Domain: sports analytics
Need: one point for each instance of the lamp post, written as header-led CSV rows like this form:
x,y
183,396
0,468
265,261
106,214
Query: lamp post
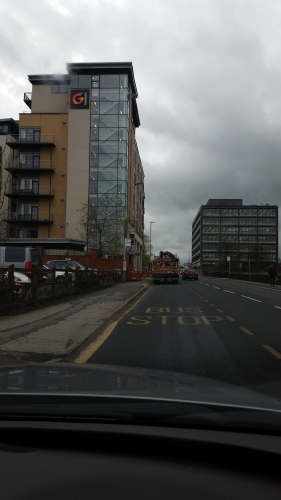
x,y
150,246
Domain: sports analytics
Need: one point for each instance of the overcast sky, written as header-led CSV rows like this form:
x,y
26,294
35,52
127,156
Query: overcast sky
x,y
208,75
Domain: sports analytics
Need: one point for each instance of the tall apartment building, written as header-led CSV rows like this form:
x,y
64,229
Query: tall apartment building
x,y
76,146
245,232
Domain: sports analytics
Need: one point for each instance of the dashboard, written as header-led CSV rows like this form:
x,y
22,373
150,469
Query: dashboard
x,y
56,459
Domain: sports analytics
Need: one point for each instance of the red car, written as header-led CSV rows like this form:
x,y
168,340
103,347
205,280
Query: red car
x,y
190,274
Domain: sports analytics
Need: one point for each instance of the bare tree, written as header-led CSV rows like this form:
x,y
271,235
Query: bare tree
x,y
146,251
226,249
256,256
103,226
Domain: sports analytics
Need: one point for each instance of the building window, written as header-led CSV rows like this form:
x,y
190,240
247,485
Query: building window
x,y
248,238
248,229
229,229
229,211
29,160
29,134
211,229
267,211
4,129
228,238
211,211
229,220
211,220
61,88
265,220
267,238
247,211
267,229
247,220
27,233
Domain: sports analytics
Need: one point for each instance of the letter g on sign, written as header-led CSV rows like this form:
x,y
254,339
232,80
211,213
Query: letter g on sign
x,y
78,98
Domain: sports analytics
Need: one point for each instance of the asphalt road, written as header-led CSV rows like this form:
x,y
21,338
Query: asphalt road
x,y
212,328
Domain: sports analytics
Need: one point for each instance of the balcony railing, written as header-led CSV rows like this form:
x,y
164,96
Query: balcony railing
x,y
27,98
15,191
44,166
16,141
34,217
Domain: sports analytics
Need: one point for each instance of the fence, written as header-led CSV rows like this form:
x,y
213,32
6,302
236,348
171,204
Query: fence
x,y
18,291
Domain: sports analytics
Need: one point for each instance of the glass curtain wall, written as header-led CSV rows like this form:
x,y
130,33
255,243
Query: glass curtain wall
x,y
108,180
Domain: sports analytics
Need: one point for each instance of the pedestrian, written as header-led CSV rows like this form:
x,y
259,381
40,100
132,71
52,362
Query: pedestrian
x,y
272,275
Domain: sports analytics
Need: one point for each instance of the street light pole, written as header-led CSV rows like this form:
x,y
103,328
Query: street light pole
x,y
150,246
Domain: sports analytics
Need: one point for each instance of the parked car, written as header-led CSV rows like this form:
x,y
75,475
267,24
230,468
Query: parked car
x,y
190,274
25,258
19,280
70,265
63,264
59,275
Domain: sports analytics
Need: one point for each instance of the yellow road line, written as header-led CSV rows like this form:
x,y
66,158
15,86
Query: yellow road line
x,y
246,331
230,318
85,355
270,349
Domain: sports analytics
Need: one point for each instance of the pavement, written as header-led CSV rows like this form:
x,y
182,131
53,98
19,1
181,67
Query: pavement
x,y
57,331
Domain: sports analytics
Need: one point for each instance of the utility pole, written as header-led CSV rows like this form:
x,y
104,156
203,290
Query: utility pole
x,y
150,246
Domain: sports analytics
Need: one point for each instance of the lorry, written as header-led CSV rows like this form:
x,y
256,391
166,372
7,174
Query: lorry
x,y
165,268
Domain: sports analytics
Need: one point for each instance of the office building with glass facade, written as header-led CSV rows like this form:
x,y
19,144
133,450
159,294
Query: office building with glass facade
x,y
246,233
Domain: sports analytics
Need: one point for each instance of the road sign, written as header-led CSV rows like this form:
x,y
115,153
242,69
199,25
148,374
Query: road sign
x,y
128,242
228,258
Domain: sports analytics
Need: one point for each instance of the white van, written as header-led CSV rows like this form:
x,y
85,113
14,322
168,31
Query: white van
x,y
24,258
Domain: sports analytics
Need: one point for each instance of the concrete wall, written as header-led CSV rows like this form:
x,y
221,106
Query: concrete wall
x,y
77,168
44,101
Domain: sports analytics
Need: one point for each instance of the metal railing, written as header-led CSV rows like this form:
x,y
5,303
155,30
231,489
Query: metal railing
x,y
33,217
31,165
35,191
30,139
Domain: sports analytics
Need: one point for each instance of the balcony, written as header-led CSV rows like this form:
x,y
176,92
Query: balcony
x,y
15,192
27,98
19,141
36,217
37,166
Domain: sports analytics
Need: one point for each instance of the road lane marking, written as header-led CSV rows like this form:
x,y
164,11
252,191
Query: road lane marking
x,y
208,319
229,291
216,287
207,284
246,330
277,307
230,318
88,352
220,311
250,298
196,321
213,305
270,349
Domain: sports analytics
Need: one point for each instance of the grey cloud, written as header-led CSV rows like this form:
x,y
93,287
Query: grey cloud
x,y
208,76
